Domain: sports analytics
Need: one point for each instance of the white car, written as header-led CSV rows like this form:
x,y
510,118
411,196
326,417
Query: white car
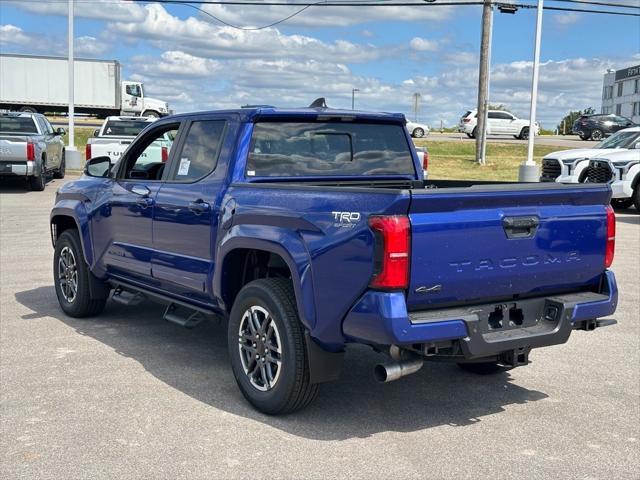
x,y
570,166
417,130
621,170
499,122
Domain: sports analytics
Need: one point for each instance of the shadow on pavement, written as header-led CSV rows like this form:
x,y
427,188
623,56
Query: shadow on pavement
x,y
630,216
195,362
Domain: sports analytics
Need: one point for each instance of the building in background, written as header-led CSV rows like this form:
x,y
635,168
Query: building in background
x,y
621,93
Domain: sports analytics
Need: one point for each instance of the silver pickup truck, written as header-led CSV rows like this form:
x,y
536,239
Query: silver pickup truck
x,y
30,148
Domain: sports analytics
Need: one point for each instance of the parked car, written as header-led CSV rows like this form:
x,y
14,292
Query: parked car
x,y
570,166
417,130
499,122
621,171
117,133
306,233
30,148
596,127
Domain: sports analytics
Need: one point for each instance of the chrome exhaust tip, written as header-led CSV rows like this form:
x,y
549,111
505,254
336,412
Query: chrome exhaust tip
x,y
389,372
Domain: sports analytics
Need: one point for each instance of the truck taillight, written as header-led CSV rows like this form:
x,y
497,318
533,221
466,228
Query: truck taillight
x,y
31,151
87,151
611,237
466,120
425,161
165,154
392,243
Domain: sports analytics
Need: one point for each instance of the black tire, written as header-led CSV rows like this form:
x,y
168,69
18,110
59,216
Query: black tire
x,y
469,135
59,173
38,182
418,132
482,368
151,114
291,389
82,304
636,197
524,133
28,110
621,203
474,132
596,134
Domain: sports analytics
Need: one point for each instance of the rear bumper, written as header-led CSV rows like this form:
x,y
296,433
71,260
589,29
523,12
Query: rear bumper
x,y
16,168
481,330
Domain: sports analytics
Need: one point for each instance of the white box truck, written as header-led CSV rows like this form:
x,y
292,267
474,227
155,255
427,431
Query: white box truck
x,y
30,83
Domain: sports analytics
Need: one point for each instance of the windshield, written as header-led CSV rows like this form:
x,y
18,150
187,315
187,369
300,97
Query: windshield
x,y
124,128
287,149
17,125
620,140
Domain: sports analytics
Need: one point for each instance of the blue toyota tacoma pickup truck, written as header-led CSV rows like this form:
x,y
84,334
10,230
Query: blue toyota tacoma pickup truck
x,y
309,229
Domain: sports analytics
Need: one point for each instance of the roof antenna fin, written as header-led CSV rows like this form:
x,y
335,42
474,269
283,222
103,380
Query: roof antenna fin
x,y
319,103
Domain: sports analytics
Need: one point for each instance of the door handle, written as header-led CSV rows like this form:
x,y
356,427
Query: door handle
x,y
145,202
520,227
199,207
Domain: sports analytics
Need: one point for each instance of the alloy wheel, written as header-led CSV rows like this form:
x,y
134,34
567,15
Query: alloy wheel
x,y
68,274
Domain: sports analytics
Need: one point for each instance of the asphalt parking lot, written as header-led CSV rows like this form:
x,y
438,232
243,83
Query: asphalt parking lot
x,y
127,395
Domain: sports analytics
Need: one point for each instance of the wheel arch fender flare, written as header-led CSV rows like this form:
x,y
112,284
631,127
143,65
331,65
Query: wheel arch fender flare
x,y
74,211
634,175
283,242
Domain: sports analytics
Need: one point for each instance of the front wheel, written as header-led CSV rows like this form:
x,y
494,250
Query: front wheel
x,y
59,173
71,278
597,135
267,348
418,132
636,197
621,203
151,114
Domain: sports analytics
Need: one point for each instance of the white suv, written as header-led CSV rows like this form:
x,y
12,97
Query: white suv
x,y
499,123
621,170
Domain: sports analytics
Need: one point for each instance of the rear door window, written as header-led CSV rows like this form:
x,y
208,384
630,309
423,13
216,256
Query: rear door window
x,y
292,149
199,155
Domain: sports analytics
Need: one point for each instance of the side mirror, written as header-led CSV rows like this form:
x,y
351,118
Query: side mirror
x,y
96,132
60,131
98,167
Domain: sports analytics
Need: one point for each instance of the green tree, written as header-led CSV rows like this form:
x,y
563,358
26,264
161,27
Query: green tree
x,y
499,106
571,117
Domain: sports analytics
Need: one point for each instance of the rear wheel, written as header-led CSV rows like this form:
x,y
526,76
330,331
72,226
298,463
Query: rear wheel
x,y
469,135
267,348
28,110
596,135
37,181
71,278
59,173
621,203
474,132
524,133
418,132
482,368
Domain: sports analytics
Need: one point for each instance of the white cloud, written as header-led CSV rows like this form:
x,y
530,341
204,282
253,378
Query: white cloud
x,y
202,38
565,19
19,41
96,9
89,46
423,45
176,64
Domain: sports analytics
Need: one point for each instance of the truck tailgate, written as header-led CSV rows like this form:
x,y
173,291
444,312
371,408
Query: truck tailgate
x,y
13,149
498,242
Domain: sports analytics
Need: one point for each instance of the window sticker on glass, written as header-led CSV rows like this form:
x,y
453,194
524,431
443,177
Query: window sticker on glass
x,y
183,168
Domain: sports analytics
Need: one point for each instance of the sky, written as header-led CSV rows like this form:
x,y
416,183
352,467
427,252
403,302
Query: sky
x,y
195,62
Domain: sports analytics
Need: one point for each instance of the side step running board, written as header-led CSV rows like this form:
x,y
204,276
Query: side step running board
x,y
183,316
128,298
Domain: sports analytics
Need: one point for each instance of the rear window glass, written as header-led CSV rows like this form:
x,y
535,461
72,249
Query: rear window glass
x,y
124,128
17,125
287,149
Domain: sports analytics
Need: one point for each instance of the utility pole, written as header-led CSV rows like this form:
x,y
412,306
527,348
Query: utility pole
x,y
483,81
529,170
353,97
72,156
416,105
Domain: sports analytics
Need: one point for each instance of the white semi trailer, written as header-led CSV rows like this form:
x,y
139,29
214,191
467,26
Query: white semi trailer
x,y
30,83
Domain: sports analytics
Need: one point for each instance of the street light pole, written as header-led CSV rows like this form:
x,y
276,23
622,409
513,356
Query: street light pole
x,y
483,80
529,170
71,78
353,97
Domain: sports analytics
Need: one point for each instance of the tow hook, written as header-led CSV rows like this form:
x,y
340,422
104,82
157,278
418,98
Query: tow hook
x,y
405,363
